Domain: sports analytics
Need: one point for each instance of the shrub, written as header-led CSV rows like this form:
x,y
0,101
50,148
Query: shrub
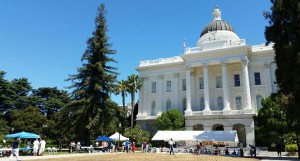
x,y
291,147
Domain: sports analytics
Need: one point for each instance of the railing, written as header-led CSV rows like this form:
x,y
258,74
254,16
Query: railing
x,y
161,61
215,45
232,112
197,113
236,112
216,112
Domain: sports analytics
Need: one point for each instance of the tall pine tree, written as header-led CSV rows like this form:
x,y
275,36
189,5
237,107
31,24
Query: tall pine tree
x,y
284,31
91,108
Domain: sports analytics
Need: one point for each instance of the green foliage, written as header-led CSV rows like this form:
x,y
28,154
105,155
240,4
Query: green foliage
x,y
122,88
52,100
91,108
137,134
290,138
170,120
284,30
291,147
30,120
270,121
134,84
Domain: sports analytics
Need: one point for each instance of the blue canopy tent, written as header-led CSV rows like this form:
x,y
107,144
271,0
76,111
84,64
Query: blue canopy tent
x,y
104,138
22,135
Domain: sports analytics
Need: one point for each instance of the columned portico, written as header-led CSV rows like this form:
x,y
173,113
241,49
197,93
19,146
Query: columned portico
x,y
188,91
206,110
226,109
247,95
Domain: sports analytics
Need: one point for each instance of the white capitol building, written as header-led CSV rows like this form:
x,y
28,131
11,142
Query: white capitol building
x,y
217,85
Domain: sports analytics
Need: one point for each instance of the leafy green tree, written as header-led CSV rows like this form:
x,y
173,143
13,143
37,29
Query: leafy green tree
x,y
134,84
270,121
29,119
137,134
284,31
170,120
121,88
93,83
52,100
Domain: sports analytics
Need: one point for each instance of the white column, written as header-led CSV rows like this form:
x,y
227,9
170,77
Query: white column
x,y
247,95
206,110
250,136
146,108
141,100
193,91
159,104
268,78
188,110
226,110
175,102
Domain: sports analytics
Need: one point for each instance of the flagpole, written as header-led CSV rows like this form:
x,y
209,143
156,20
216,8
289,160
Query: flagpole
x,y
184,45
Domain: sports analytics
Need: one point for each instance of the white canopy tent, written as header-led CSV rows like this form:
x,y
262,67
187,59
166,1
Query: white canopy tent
x,y
228,136
116,136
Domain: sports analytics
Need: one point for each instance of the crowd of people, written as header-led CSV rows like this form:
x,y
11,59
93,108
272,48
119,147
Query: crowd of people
x,y
38,147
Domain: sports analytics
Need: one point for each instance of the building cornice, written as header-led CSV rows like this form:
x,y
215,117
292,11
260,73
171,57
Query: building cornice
x,y
217,52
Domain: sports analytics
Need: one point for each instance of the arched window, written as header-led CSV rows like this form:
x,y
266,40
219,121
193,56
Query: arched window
x,y
238,102
168,105
184,104
258,101
202,104
153,113
220,103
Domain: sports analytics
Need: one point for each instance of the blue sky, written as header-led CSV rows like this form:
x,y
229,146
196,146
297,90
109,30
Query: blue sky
x,y
43,40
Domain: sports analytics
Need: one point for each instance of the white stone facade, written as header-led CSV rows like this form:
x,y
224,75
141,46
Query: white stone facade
x,y
217,85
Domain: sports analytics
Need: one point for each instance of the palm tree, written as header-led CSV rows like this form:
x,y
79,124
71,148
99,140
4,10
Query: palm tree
x,y
122,88
134,84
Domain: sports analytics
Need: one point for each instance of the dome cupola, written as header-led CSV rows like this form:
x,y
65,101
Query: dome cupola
x,y
217,30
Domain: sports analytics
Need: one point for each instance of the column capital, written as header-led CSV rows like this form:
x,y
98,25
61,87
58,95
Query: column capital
x,y
187,68
244,61
160,76
205,65
267,65
224,63
144,78
175,75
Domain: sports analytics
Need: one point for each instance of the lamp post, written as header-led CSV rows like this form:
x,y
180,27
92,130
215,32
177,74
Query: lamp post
x,y
119,134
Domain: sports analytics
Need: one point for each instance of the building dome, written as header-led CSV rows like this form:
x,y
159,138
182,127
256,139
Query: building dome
x,y
217,25
217,30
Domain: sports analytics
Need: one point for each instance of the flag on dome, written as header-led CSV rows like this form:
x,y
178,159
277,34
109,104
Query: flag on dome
x,y
183,43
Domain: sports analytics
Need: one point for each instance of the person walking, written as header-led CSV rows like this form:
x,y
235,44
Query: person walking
x,y
278,149
171,146
15,150
133,147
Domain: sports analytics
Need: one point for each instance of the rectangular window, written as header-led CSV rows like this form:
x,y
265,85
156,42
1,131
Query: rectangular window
x,y
183,84
237,81
257,78
201,83
218,82
168,86
153,87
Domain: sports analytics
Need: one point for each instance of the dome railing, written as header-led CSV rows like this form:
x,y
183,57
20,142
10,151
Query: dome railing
x,y
215,45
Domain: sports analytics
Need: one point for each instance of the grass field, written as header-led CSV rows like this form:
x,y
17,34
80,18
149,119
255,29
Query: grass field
x,y
145,157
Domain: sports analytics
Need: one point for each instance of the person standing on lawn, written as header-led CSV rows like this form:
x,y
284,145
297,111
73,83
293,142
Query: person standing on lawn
x,y
171,146
15,149
36,147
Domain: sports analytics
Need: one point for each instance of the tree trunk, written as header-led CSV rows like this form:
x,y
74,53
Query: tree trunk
x,y
132,107
298,145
